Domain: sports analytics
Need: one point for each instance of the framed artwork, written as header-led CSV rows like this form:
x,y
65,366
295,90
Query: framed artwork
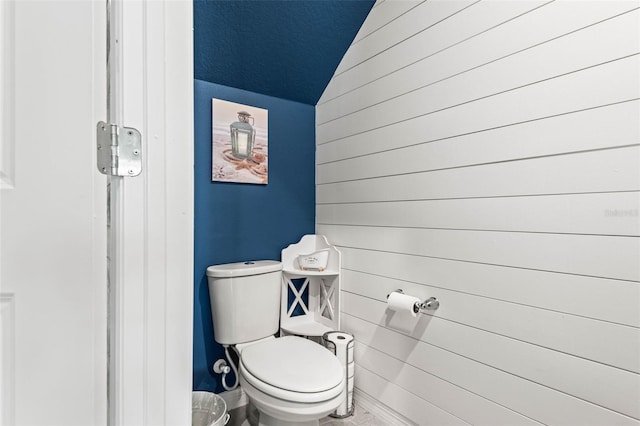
x,y
239,143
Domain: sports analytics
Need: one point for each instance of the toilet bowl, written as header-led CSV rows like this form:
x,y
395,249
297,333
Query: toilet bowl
x,y
291,380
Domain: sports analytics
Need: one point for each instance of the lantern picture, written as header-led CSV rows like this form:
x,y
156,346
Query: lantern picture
x,y
239,143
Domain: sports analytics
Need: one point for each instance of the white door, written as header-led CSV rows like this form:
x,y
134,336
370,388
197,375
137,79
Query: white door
x,y
53,224
52,214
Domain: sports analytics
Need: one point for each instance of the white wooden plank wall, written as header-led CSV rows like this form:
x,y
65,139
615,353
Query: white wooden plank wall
x,y
487,153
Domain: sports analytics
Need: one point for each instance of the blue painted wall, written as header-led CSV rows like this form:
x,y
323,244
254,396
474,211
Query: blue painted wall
x,y
237,222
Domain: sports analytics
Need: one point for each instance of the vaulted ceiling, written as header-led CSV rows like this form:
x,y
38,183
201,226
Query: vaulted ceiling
x,y
283,48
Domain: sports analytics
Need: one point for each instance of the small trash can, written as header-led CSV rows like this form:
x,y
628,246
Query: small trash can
x,y
208,409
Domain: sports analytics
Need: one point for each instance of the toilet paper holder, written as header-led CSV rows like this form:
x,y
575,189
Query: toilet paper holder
x,y
431,304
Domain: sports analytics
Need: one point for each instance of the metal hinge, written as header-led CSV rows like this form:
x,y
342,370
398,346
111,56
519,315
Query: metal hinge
x,y
119,150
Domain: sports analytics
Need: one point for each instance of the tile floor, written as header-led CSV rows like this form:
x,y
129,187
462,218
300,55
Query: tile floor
x,y
360,418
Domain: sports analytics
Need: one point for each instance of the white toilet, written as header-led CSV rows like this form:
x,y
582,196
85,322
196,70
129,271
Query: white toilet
x,y
290,380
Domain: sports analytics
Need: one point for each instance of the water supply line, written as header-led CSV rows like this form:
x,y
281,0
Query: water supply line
x,y
221,367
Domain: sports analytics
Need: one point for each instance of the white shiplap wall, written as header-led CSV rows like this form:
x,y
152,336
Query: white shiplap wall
x,y
487,153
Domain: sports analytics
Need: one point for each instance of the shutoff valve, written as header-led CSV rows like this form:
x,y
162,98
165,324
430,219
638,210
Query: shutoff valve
x,y
221,367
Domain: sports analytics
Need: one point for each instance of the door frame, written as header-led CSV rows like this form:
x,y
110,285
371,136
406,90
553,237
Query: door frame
x,y
151,216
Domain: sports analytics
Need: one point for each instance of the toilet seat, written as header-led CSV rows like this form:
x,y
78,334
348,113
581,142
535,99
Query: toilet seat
x,y
293,369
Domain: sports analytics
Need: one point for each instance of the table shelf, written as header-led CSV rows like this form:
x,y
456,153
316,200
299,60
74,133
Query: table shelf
x,y
321,311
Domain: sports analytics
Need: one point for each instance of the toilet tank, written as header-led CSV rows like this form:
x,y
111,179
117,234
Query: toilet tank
x,y
245,300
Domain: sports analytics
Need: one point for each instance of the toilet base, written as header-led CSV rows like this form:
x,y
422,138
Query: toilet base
x,y
255,418
276,412
267,420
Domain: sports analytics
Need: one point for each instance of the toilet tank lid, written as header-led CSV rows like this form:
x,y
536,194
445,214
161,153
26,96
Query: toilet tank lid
x,y
241,269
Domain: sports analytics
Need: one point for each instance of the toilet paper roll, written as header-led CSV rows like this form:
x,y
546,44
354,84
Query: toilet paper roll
x,y
342,410
403,303
341,344
346,406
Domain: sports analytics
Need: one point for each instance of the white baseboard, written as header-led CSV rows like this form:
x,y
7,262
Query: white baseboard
x,y
366,403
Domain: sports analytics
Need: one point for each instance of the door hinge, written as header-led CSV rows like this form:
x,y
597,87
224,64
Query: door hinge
x,y
119,150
